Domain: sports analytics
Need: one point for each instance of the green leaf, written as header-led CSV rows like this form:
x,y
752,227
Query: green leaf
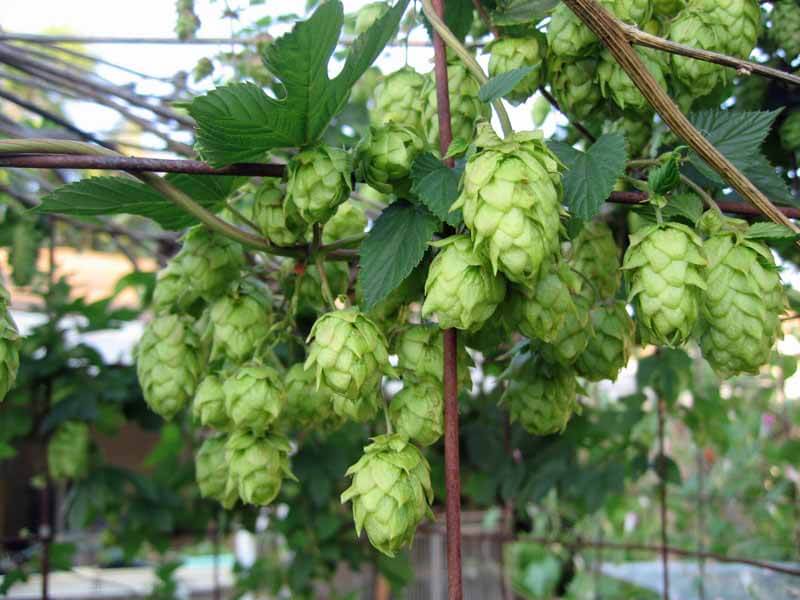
x,y
765,230
666,466
500,85
592,176
458,16
239,122
689,206
436,185
664,177
518,12
564,151
6,451
393,247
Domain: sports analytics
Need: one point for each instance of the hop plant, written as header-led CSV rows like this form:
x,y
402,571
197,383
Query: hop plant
x,y
212,472
417,411
208,406
511,200
574,84
318,182
610,345
507,54
573,335
348,352
385,155
617,86
420,352
461,288
208,262
68,451
367,15
790,132
785,30
398,99
240,320
254,397
9,347
636,130
349,220
595,255
466,109
258,464
664,267
541,396
306,406
168,363
277,220
391,492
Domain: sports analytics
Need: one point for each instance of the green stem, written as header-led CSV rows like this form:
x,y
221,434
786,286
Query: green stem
x,y
343,243
319,260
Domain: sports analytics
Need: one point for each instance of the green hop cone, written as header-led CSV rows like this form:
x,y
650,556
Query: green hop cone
x,y
420,352
742,304
667,8
466,109
302,283
306,406
367,15
461,288
9,351
68,451
398,99
258,464
360,410
208,262
391,492
785,30
278,220
567,36
202,69
318,182
574,84
384,157
168,363
637,131
212,473
349,220
348,352
208,405
573,335
700,29
617,86
511,200
739,22
664,267
610,346
254,397
240,321
172,292
541,396
417,411
595,255
508,54
790,132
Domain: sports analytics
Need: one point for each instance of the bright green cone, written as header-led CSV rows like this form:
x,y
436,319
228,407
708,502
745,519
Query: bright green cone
x,y
258,465
785,30
318,182
595,255
208,262
664,267
511,200
461,289
508,54
790,132
9,351
240,321
398,99
575,86
617,86
610,345
208,406
254,397
417,411
168,363
567,36
277,219
306,406
573,336
420,352
68,451
738,20
391,492
349,220
172,291
212,473
384,157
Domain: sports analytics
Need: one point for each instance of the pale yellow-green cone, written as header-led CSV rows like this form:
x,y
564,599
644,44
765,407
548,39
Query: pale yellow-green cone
x,y
277,219
367,15
391,492
258,464
208,406
318,181
212,473
507,54
573,336
617,86
785,30
168,363
511,201
348,353
575,86
417,411
349,220
541,396
68,451
398,99
172,291
208,262
664,270
9,350
738,20
461,289
595,255
254,397
240,321
420,352
306,406
790,132
385,155
610,345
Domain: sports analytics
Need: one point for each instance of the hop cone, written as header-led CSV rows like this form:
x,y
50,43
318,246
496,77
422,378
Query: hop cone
x,y
258,465
208,262
461,288
254,397
667,8
790,132
617,86
511,200
508,54
739,22
318,182
212,473
208,406
664,267
367,15
636,130
610,346
385,156
240,321
398,99
168,363
306,406
742,304
573,336
391,492
68,451
172,291
785,30
348,221
465,106
348,352
417,411
420,352
9,350
567,36
541,396
278,221
574,84
361,410
304,285
596,256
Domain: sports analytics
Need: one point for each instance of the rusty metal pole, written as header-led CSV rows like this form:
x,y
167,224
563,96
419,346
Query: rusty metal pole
x,y
451,458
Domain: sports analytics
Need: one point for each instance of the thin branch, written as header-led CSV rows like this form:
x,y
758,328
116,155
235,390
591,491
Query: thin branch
x,y
576,124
